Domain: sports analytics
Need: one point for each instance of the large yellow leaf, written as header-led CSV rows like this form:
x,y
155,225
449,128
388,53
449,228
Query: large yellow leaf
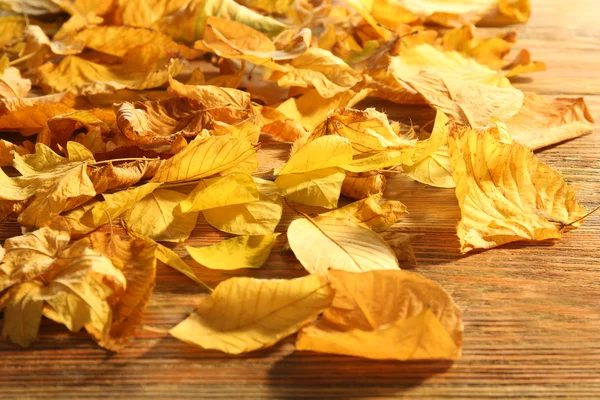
x,y
159,217
204,157
246,314
30,255
321,153
259,217
235,253
220,192
321,187
82,76
543,122
136,259
22,307
430,161
506,194
368,212
324,243
386,315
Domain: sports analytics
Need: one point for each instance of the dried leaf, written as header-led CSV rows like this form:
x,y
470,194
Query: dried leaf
x,y
419,322
159,217
221,192
401,243
235,253
506,194
320,188
246,314
321,153
325,243
362,185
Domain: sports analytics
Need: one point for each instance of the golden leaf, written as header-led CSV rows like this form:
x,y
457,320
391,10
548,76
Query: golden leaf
x,y
270,6
259,217
235,253
543,122
362,185
60,128
22,307
30,255
368,212
321,153
32,7
11,28
137,260
506,194
401,243
430,162
12,84
220,192
246,314
159,217
419,322
324,243
6,149
171,259
321,187
204,157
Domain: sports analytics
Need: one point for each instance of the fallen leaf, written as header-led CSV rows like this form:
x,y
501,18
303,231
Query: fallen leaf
x,y
235,253
321,153
324,243
401,243
221,192
12,84
506,194
361,185
246,314
60,128
419,322
320,188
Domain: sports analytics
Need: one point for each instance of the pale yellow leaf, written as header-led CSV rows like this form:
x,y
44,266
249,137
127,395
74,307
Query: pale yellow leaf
x,y
319,188
321,153
378,217
220,192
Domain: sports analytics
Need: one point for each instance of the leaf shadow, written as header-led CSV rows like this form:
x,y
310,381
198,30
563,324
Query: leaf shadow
x,y
312,375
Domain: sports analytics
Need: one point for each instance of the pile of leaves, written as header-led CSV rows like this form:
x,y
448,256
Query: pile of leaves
x,y
86,80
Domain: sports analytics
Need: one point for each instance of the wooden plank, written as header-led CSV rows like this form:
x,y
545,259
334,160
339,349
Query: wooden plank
x,y
532,312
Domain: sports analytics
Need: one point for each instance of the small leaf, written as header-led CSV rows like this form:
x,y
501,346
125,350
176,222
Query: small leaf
x,y
378,217
220,192
319,188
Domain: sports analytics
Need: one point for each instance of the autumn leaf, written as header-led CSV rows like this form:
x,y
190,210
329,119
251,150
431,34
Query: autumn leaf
x,y
259,217
419,322
60,128
235,253
401,243
22,307
11,82
368,212
361,185
221,192
159,217
272,310
6,149
324,243
506,194
207,156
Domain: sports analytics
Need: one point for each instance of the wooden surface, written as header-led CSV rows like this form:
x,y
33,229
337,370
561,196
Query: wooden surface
x,y
532,312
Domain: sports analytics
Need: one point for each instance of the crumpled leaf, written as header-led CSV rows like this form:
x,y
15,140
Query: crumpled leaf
x,y
246,314
140,70
6,149
207,156
259,217
159,217
506,194
401,243
30,255
235,253
230,39
136,259
188,23
430,162
60,128
361,185
32,7
221,192
368,212
12,84
545,121
324,243
419,322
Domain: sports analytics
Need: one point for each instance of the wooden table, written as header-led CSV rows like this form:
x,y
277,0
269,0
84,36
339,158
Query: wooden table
x,y
532,311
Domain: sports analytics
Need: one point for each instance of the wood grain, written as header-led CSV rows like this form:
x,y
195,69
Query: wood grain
x,y
532,311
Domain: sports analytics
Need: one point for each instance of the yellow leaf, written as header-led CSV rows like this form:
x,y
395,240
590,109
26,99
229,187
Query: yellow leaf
x,y
376,161
170,258
82,76
319,188
123,175
144,13
188,23
362,185
430,162
32,7
159,217
543,122
368,212
325,243
235,253
419,322
12,84
321,153
270,6
230,39
136,259
506,194
60,128
6,149
30,255
311,109
246,314
220,192
212,97
320,69
11,28
22,307
204,157
401,243
259,217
